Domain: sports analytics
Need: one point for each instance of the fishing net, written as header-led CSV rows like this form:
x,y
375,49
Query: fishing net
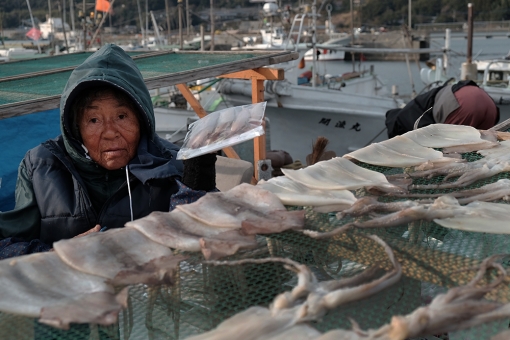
x,y
432,257
38,86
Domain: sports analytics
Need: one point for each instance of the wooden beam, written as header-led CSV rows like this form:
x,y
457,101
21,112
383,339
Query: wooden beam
x,y
259,143
199,110
261,73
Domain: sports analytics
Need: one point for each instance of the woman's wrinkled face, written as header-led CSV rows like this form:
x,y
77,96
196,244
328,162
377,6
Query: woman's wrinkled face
x,y
110,131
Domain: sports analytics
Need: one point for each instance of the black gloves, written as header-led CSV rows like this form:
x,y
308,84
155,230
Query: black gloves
x,y
200,172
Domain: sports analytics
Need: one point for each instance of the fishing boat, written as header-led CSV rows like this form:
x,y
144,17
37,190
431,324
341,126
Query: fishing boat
x,y
348,109
325,54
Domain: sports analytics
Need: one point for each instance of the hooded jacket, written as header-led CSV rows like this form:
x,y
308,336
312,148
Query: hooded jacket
x,y
57,180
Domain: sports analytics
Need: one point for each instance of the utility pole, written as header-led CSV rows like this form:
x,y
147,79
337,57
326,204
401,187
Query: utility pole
x,y
409,15
212,25
179,4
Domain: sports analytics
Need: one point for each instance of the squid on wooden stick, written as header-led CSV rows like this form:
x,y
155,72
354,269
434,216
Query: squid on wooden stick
x,y
488,192
469,177
368,204
443,207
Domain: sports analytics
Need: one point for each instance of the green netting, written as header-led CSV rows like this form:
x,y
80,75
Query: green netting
x,y
14,91
20,67
432,258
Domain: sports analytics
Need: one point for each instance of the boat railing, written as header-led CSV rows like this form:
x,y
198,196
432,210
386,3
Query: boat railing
x,y
298,19
486,81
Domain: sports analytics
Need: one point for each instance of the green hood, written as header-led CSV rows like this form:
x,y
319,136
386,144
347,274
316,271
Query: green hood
x,y
156,157
113,66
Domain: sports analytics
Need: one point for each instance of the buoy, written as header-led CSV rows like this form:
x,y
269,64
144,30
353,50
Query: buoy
x,y
302,63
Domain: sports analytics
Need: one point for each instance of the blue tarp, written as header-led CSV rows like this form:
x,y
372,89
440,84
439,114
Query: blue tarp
x,y
17,136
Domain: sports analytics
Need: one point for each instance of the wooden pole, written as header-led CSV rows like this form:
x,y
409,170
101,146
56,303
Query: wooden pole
x,y
259,143
202,43
470,34
2,27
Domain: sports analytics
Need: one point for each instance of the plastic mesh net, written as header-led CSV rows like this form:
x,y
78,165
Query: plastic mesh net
x,y
432,258
20,67
18,90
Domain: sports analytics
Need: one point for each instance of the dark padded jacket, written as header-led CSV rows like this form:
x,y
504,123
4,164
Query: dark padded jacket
x,y
400,121
55,179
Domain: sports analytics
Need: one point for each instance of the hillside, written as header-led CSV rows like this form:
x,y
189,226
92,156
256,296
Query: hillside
x,y
14,13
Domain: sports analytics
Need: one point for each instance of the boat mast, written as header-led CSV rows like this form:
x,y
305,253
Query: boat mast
x,y
52,42
212,26
33,25
146,21
141,23
63,11
352,37
314,42
71,12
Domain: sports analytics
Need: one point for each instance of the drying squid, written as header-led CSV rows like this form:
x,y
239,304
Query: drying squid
x,y
340,173
41,285
368,204
468,177
443,207
398,151
322,296
460,308
488,192
294,193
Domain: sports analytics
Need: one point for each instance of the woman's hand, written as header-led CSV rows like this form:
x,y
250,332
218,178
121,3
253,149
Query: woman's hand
x,y
93,230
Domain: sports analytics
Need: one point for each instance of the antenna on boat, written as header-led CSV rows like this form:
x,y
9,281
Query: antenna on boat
x,y
314,43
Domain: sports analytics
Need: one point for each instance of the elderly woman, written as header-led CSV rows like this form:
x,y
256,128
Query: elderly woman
x,y
107,167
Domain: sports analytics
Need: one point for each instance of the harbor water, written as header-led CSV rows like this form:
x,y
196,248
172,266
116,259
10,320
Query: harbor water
x,y
396,72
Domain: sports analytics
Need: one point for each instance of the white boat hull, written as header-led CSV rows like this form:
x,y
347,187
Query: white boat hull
x,y
325,55
348,120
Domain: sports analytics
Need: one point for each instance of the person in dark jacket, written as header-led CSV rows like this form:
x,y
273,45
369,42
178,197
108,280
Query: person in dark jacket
x,y
463,103
106,168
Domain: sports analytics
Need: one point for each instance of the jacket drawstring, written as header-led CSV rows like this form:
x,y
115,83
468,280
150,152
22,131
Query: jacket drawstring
x,y
129,191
